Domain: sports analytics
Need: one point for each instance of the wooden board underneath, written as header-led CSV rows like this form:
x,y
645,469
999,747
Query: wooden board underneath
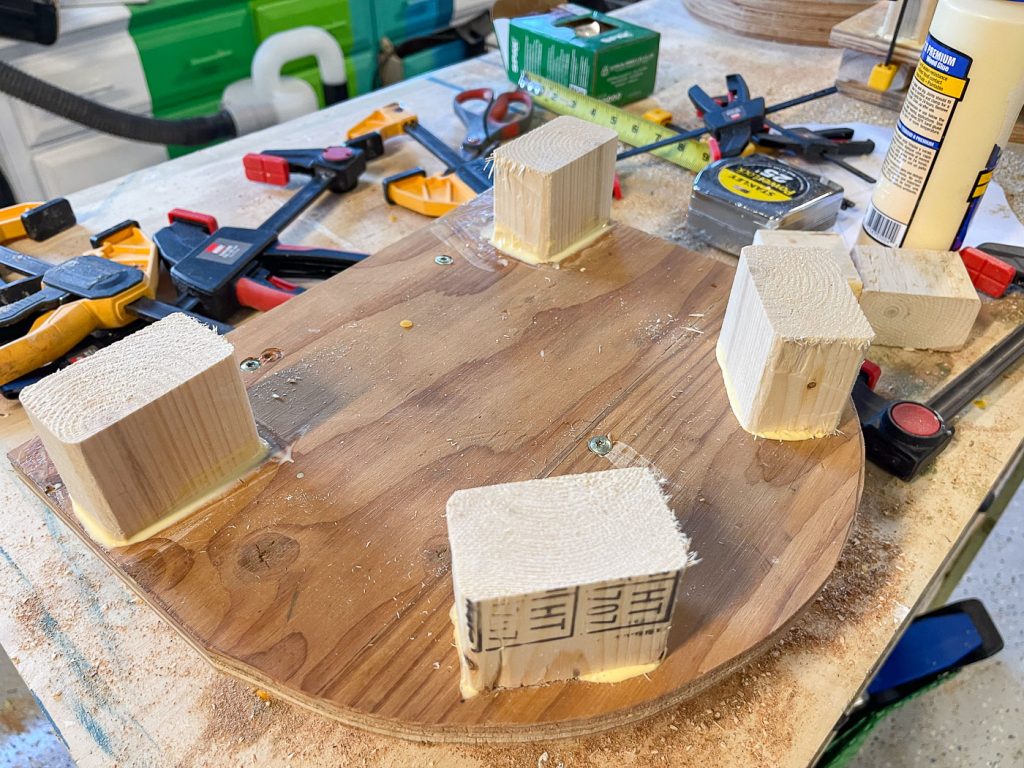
x,y
861,33
804,22
325,580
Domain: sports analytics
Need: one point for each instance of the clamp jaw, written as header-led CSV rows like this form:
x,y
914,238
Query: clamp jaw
x,y
731,119
54,307
900,436
340,166
815,145
431,195
225,268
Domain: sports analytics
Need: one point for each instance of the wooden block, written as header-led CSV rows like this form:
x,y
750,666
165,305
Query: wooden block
x,y
553,189
565,577
916,299
833,242
146,427
792,341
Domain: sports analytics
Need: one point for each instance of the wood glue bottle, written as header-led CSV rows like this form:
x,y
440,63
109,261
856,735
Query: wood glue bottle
x,y
961,106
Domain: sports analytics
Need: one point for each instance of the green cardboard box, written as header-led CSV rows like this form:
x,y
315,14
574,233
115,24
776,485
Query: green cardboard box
x,y
599,55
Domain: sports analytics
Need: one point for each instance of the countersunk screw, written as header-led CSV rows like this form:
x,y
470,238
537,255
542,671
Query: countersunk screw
x,y
444,259
601,445
250,364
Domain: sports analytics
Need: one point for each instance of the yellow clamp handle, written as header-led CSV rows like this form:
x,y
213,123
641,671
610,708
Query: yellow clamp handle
x,y
389,121
55,333
427,195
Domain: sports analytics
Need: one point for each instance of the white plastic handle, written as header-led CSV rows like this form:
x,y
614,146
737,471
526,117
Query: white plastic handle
x,y
283,47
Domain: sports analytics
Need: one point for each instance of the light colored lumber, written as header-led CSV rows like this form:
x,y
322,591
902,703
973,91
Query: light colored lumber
x,y
792,341
917,18
916,299
832,242
565,577
145,427
553,189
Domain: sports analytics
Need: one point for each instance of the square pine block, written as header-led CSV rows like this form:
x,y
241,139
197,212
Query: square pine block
x,y
147,428
917,299
792,342
564,577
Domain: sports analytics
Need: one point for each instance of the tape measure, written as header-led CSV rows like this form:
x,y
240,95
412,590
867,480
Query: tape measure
x,y
632,129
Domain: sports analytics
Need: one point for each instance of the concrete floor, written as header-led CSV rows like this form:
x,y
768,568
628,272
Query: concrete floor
x,y
975,720
27,738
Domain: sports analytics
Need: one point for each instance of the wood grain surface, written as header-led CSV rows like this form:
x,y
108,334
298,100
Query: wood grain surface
x,y
325,579
804,22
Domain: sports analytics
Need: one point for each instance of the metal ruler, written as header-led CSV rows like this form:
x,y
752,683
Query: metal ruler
x,y
632,129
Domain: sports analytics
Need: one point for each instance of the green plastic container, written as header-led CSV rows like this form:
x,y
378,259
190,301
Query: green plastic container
x,y
350,22
191,51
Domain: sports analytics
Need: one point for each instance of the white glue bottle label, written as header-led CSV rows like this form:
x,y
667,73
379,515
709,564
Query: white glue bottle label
x,y
961,106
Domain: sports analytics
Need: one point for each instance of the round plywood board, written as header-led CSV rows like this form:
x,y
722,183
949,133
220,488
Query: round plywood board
x,y
325,579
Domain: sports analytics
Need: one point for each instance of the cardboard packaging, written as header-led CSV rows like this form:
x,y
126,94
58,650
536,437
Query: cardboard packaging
x,y
602,56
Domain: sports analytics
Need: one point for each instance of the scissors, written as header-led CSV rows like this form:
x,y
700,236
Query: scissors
x,y
489,120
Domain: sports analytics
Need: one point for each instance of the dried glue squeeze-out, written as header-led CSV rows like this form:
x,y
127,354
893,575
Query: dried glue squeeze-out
x,y
961,106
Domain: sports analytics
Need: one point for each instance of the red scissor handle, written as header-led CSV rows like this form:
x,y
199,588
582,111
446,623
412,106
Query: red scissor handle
x,y
506,121
502,117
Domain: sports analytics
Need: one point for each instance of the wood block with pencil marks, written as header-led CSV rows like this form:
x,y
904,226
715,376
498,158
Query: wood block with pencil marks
x,y
565,577
325,579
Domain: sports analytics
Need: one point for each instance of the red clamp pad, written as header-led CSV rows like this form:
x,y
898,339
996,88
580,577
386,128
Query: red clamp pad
x,y
204,220
716,150
989,274
266,168
255,295
337,154
617,188
915,419
873,371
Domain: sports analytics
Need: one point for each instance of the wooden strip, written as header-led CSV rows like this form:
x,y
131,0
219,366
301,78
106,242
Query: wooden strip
x,y
916,299
804,22
863,33
326,580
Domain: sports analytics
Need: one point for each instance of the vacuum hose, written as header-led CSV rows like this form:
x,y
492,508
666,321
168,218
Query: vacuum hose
x,y
186,132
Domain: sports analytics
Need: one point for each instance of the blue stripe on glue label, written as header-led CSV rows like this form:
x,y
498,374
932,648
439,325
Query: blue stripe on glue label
x,y
945,59
916,137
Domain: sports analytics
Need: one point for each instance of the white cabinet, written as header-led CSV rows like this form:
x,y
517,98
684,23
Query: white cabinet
x,y
43,155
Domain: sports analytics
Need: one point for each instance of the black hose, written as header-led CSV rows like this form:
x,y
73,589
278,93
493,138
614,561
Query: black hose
x,y
186,132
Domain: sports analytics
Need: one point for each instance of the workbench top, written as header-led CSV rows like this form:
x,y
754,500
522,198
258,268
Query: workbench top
x,y
123,688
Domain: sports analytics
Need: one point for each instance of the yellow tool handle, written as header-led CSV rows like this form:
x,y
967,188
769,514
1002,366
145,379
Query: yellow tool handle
x,y
54,334
389,121
428,195
11,226
632,128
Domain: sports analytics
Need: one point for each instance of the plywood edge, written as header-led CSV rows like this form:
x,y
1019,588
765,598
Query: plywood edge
x,y
33,466
861,33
